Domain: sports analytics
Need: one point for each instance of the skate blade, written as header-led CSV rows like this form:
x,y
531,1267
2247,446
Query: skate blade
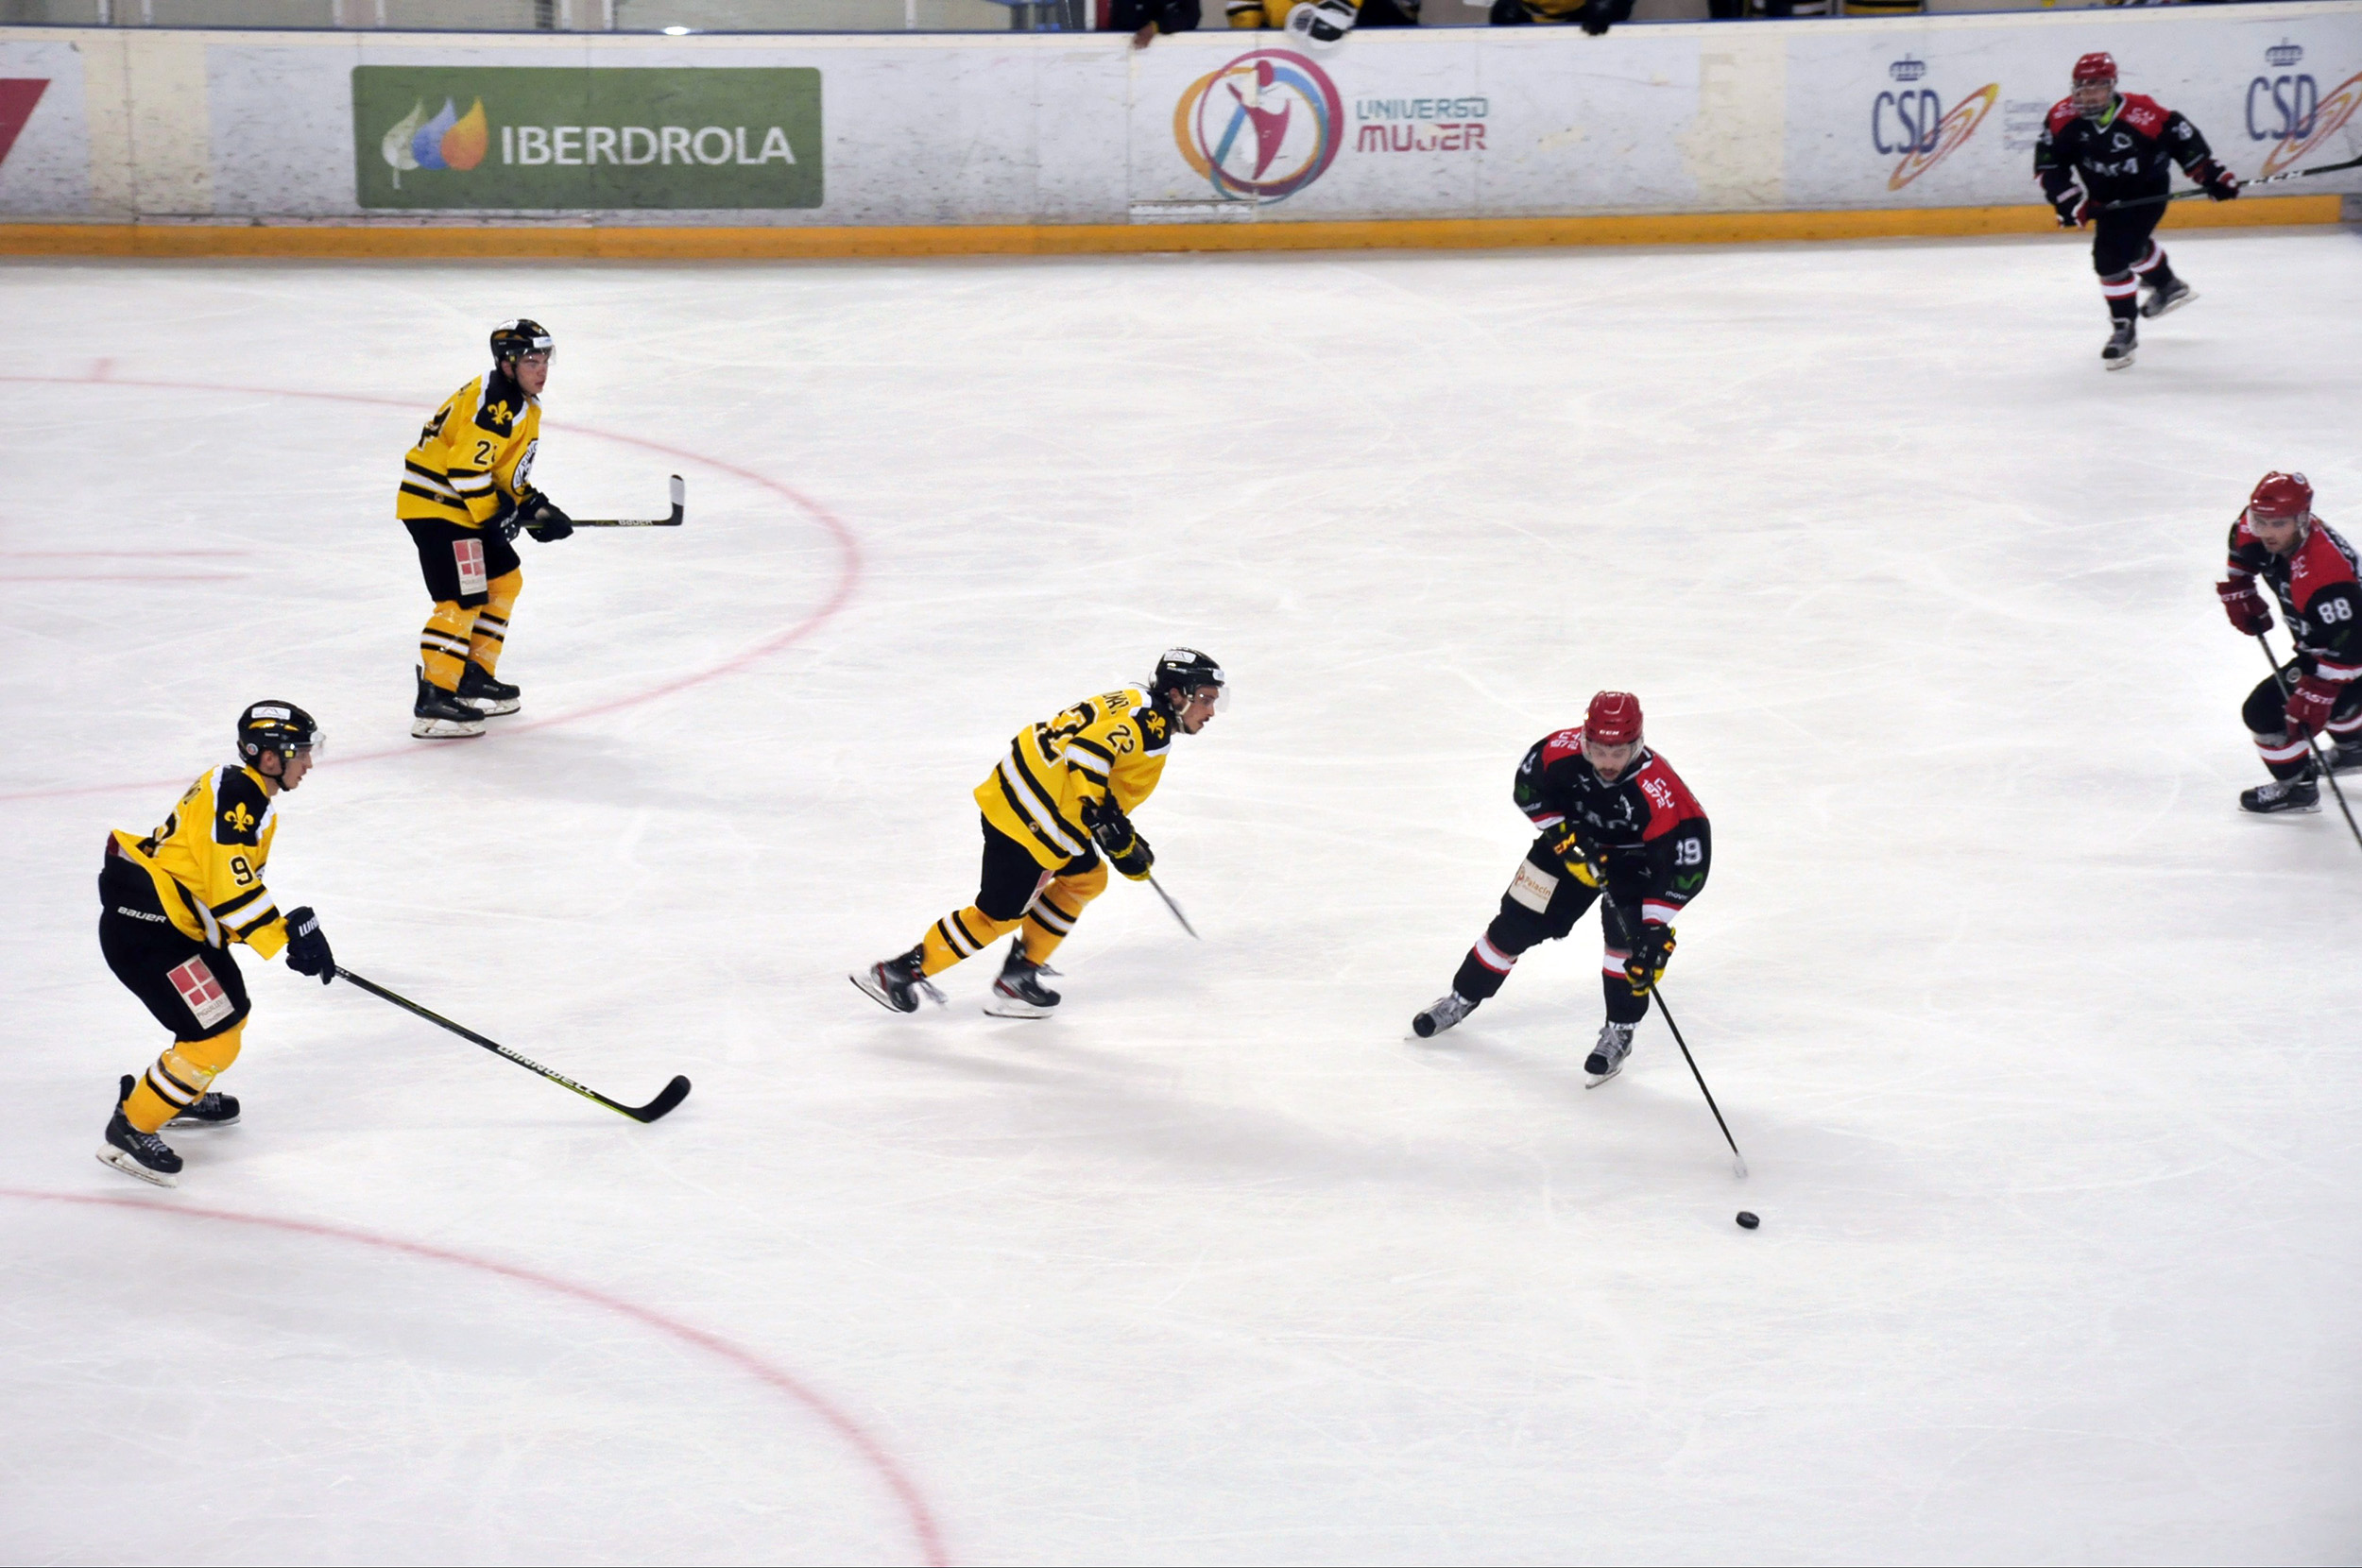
x,y
183,1124
2312,810
876,993
442,729
2170,306
1597,1078
2123,363
129,1166
493,708
1007,1007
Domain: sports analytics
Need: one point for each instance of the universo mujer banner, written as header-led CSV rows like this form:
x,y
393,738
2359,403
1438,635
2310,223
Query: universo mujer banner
x,y
991,128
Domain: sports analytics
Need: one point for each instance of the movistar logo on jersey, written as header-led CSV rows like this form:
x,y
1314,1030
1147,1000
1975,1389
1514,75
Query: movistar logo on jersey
x,y
540,139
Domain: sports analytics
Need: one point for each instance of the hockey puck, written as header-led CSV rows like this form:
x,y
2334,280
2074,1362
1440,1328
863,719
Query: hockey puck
x,y
1747,1222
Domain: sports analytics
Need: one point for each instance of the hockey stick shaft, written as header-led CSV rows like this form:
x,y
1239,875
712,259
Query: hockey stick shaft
x,y
2267,180
674,1093
681,511
1608,903
1174,907
2280,678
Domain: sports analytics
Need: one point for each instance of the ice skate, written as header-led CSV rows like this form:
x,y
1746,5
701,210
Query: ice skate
x,y
211,1109
437,715
2346,755
138,1153
1446,1011
1607,1055
489,697
896,985
2166,298
1018,992
2118,353
2282,795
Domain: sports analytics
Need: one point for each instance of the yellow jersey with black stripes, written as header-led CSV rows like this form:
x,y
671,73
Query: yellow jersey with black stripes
x,y
207,858
475,454
1109,745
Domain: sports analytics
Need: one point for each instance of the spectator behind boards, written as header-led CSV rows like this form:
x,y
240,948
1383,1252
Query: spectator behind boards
x,y
1145,19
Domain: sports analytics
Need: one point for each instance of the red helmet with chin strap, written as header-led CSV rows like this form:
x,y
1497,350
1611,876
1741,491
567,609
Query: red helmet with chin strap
x,y
2098,65
2281,498
1613,719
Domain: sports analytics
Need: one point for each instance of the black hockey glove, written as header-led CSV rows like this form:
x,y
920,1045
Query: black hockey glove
x,y
505,521
307,949
1124,848
1596,16
544,521
2220,184
2073,207
1645,966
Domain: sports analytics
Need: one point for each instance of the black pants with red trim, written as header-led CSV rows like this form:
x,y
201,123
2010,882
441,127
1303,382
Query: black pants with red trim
x,y
2266,714
146,951
2120,247
1520,926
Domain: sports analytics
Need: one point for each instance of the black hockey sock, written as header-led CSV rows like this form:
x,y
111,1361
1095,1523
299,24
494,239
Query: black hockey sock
x,y
2123,307
1476,979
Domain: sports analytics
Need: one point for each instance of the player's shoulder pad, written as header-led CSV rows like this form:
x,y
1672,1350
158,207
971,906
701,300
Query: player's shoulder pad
x,y
2318,563
500,404
1670,800
1556,747
240,807
2144,113
2062,114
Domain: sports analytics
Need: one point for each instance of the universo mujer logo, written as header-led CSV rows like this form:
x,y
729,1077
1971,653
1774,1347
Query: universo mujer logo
x,y
1260,128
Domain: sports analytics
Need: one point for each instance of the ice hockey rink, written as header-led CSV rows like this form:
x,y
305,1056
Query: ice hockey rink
x,y
2044,1057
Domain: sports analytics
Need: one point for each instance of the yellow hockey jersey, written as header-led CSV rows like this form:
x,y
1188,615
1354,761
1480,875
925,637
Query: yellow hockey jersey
x,y
1111,744
476,454
207,861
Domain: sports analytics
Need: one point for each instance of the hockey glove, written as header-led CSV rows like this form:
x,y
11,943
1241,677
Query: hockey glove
x,y
2309,704
1580,859
505,521
545,523
307,949
2220,184
2244,606
2073,206
1124,848
1596,16
1645,966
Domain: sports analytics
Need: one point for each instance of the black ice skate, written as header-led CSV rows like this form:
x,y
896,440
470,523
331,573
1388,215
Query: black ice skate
x,y
2282,795
2118,353
438,715
2166,298
2346,755
211,1109
1446,1011
1018,992
1607,1055
896,983
489,697
138,1153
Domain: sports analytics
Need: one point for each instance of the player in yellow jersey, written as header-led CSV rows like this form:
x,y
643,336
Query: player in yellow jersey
x,y
466,489
1317,25
171,907
1062,794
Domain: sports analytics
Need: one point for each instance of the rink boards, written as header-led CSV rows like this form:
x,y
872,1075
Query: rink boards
x,y
1736,129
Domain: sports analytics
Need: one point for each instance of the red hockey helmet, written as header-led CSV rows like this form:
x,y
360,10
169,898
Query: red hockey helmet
x,y
1614,719
2094,82
2098,65
2281,498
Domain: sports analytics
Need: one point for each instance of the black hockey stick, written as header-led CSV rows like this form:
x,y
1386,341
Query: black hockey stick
x,y
1739,1161
2267,180
1174,907
673,1094
680,494
2320,760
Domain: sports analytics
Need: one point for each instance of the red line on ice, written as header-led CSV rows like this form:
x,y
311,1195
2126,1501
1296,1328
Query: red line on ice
x,y
849,569
919,1515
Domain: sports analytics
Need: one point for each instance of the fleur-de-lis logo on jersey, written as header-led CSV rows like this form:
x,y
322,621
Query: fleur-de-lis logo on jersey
x,y
1155,724
500,410
239,817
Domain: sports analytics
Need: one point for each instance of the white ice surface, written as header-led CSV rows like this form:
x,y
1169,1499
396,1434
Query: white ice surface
x,y
2044,1057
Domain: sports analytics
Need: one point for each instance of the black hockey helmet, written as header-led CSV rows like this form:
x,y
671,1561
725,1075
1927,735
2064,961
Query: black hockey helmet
x,y
1186,670
513,339
276,726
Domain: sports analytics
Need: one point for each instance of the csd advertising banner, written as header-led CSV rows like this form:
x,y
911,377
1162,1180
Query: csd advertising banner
x,y
1219,125
536,138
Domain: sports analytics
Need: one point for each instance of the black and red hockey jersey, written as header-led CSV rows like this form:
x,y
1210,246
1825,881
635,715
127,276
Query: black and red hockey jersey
x,y
2123,153
1645,826
2319,589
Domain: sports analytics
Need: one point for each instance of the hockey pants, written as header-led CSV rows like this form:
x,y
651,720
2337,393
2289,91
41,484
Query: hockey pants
x,y
1015,890
474,576
192,989
1543,903
2126,257
2267,714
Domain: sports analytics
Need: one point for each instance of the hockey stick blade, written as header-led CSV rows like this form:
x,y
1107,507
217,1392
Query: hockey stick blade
x,y
680,510
1174,908
671,1095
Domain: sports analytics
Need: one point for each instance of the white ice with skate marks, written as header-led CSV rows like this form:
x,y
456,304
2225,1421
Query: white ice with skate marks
x,y
2041,1054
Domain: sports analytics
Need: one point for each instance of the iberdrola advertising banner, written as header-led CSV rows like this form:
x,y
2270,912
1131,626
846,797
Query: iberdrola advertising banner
x,y
545,138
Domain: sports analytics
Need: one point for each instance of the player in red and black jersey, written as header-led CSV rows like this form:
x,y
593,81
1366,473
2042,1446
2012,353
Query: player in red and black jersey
x,y
1610,810
2101,146
2317,579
